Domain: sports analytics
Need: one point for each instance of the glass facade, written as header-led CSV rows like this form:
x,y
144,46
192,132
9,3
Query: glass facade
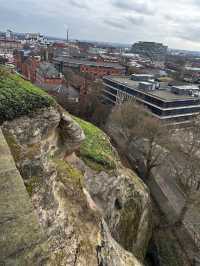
x,y
191,105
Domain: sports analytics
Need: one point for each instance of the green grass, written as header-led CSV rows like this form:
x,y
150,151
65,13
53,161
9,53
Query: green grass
x,y
19,97
96,150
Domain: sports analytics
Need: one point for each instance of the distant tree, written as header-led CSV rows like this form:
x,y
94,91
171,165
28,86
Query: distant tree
x,y
100,114
137,124
3,60
68,104
135,70
93,109
69,76
180,63
186,166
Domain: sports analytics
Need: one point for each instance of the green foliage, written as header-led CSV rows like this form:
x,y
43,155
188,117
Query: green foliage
x,y
19,97
96,150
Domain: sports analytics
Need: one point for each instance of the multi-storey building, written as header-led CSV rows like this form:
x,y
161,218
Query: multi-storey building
x,y
29,67
7,46
26,63
154,51
47,76
96,69
166,103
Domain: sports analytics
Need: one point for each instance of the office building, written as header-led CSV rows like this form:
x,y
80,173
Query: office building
x,y
166,103
152,50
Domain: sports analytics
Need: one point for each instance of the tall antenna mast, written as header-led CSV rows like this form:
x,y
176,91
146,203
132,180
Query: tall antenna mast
x,y
67,35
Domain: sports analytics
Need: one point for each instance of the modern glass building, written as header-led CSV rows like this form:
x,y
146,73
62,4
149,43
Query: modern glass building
x,y
163,103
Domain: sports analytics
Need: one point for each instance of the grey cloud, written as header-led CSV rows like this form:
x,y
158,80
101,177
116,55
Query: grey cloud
x,y
189,33
135,20
79,4
179,19
137,6
115,24
172,22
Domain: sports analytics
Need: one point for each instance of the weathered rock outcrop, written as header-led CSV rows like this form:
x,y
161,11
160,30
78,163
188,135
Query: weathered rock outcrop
x,y
126,206
21,238
169,198
72,228
125,203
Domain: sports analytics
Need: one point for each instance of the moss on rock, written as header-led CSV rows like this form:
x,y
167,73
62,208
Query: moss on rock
x,y
67,173
97,151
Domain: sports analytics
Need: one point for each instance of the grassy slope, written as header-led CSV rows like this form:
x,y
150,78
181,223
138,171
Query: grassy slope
x,y
19,97
96,150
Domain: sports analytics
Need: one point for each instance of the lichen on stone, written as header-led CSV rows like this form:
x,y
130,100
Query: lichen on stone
x,y
67,173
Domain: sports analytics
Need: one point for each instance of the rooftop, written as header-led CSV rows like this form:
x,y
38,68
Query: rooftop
x,y
168,95
48,70
187,87
163,93
193,68
89,63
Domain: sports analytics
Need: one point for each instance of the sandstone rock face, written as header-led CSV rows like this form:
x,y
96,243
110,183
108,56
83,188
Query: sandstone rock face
x,y
126,206
72,135
125,203
168,195
81,220
21,238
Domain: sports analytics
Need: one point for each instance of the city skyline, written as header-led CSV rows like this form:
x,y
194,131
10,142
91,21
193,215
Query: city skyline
x,y
174,24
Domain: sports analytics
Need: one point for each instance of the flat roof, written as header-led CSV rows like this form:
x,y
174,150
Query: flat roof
x,y
163,93
169,96
187,87
142,75
193,68
88,63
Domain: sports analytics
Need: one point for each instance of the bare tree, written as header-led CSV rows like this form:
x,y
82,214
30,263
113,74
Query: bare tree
x,y
138,125
93,109
186,166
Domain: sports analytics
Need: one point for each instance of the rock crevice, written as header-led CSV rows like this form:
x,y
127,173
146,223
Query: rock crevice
x,y
63,212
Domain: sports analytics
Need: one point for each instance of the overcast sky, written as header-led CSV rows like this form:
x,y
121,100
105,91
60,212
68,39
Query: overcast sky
x,y
173,22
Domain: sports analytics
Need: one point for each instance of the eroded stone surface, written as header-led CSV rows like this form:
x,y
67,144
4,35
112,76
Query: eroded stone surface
x,y
76,229
21,237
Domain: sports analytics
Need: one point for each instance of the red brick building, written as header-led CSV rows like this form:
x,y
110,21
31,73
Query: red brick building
x,y
96,69
47,76
8,46
29,67
26,64
99,70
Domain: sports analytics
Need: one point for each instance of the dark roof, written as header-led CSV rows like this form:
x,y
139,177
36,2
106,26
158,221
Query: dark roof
x,y
48,70
164,93
88,63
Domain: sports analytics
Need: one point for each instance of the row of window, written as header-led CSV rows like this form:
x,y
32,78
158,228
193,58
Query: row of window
x,y
155,110
150,98
102,71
